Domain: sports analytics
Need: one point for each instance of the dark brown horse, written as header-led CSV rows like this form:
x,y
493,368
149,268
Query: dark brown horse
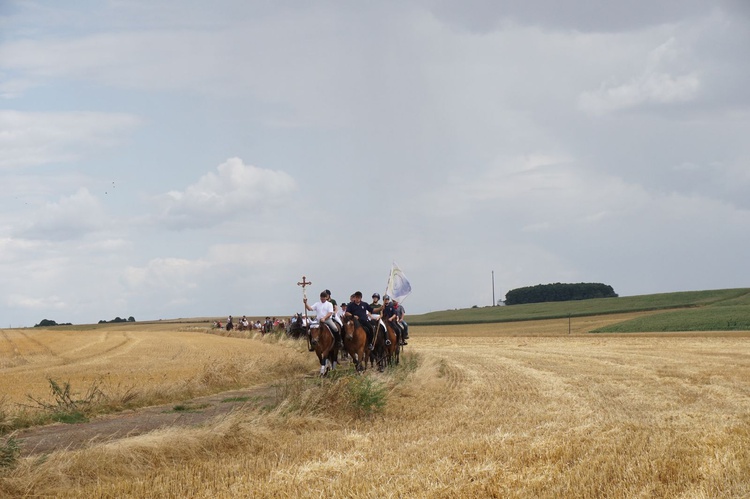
x,y
324,345
379,354
295,328
355,341
392,351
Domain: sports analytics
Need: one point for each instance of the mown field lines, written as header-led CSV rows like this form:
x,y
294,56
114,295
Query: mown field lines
x,y
123,356
506,410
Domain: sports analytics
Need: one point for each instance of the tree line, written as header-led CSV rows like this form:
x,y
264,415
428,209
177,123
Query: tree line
x,y
559,292
50,323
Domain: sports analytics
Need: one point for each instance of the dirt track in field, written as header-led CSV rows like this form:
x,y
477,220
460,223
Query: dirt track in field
x,y
46,439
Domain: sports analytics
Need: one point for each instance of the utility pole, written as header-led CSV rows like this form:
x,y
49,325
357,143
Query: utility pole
x,y
493,288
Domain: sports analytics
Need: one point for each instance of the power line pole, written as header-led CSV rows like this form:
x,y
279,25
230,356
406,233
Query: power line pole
x,y
493,288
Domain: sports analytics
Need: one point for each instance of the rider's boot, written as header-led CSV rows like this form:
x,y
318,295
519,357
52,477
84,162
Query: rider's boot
x,y
337,337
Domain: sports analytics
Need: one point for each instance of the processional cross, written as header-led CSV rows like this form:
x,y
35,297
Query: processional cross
x,y
304,284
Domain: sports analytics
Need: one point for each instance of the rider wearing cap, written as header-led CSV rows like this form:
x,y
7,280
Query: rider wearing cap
x,y
362,311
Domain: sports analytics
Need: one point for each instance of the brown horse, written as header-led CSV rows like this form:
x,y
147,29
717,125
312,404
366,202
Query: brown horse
x,y
392,351
324,345
355,341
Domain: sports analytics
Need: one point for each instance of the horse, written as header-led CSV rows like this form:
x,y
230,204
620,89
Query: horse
x,y
267,327
355,342
392,351
378,354
296,327
324,344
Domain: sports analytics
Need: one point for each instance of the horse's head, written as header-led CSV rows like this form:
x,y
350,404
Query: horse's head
x,y
349,326
314,335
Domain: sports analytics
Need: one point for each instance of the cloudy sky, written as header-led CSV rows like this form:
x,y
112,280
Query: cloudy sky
x,y
168,158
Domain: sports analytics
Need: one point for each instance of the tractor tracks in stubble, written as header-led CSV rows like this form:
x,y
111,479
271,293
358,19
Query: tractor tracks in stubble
x,y
15,357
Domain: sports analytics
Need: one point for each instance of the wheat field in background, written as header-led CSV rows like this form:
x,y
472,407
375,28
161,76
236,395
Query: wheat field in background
x,y
168,360
497,410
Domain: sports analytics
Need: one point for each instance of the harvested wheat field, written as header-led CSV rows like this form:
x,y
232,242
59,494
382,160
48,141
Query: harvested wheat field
x,y
504,410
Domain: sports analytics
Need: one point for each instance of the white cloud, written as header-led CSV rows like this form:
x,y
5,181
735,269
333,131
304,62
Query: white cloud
x,y
69,218
33,138
171,274
235,189
653,88
655,85
44,303
256,254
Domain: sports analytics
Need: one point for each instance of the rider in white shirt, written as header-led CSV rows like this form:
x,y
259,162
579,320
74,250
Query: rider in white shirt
x,y
324,312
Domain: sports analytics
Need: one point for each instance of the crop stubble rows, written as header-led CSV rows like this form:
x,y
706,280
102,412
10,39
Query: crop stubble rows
x,y
497,410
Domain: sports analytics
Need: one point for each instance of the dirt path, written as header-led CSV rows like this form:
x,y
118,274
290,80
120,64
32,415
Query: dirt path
x,y
59,436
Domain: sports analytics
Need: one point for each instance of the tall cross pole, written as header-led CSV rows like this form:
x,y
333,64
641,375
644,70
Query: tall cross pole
x,y
304,284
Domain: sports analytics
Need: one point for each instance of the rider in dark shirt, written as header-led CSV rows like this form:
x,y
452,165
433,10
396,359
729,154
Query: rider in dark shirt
x,y
362,311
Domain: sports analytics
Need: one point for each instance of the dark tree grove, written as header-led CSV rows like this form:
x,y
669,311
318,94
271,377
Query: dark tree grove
x,y
559,292
118,319
48,323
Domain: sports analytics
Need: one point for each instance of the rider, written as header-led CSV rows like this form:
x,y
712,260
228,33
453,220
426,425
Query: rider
x,y
363,311
338,315
377,308
390,314
324,311
401,321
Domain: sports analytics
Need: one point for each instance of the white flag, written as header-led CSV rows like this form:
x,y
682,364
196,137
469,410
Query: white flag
x,y
398,285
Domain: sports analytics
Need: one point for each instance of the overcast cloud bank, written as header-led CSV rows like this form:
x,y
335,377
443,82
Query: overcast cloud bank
x,y
162,161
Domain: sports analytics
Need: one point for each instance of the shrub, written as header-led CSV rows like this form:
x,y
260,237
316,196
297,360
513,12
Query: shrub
x,y
366,397
66,408
9,452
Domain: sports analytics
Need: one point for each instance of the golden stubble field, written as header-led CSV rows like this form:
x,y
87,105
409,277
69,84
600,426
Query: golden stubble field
x,y
506,410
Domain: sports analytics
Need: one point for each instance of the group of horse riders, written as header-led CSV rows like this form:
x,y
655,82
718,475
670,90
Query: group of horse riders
x,y
369,314
244,324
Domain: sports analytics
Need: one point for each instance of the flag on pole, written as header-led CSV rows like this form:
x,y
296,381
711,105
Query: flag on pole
x,y
398,285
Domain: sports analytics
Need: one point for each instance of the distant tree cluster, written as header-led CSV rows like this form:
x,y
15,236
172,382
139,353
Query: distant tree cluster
x,y
559,292
48,323
117,319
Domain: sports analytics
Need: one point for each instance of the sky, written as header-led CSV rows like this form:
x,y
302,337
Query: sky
x,y
170,159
